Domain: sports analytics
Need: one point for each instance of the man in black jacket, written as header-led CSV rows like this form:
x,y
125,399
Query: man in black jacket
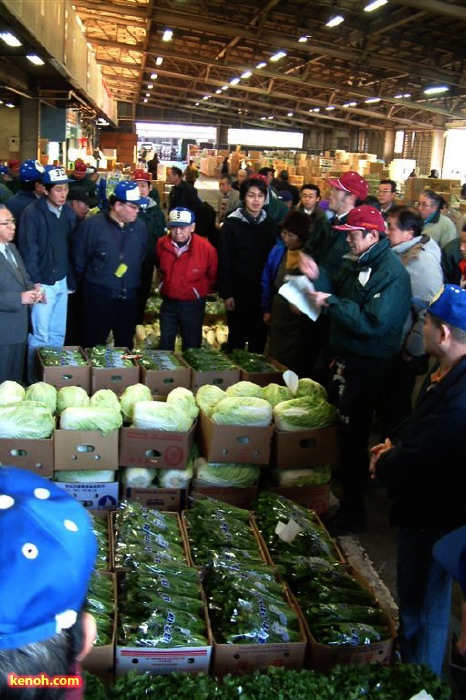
x,y
423,469
182,194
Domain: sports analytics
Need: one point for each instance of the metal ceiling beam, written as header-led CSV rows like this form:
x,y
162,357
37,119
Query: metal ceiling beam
x,y
436,7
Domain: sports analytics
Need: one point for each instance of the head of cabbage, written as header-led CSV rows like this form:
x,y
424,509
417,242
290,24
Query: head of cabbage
x,y
242,410
184,400
73,396
43,393
245,389
130,397
11,392
305,413
208,396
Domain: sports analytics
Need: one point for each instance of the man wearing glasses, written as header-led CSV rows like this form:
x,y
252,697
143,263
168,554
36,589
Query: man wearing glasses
x,y
108,253
17,293
386,195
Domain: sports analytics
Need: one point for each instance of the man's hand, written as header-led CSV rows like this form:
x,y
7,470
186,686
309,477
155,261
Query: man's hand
x,y
376,451
308,266
319,299
29,297
230,304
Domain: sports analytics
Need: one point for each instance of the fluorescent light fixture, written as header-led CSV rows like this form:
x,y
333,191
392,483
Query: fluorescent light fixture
x,y
398,97
350,104
406,94
316,109
372,100
234,81
290,114
153,76
10,105
303,39
277,56
330,108
100,121
146,100
225,87
436,90
247,74
260,65
206,97
263,119
167,35
147,94
270,117
149,86
10,39
335,21
197,104
159,61
218,92
375,5
36,60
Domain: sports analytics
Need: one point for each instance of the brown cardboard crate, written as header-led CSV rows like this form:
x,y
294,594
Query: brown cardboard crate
x,y
171,500
234,443
265,378
241,497
162,381
247,658
85,449
161,449
66,375
101,659
313,497
115,378
304,448
323,657
220,378
34,455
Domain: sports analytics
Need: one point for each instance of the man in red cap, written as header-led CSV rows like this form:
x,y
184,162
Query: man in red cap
x,y
13,182
346,192
367,304
81,176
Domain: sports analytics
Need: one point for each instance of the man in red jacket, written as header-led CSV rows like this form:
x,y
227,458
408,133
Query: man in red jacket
x,y
187,265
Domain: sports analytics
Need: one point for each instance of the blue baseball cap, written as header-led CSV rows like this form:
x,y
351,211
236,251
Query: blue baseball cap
x,y
3,169
128,191
54,175
181,216
48,549
450,306
31,170
450,552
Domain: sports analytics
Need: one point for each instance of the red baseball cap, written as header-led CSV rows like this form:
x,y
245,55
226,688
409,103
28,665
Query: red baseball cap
x,y
364,217
142,175
80,166
14,164
351,182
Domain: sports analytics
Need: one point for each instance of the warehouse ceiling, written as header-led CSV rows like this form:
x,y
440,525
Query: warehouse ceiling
x,y
326,78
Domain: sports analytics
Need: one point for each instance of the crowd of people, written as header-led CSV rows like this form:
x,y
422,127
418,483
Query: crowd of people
x,y
374,273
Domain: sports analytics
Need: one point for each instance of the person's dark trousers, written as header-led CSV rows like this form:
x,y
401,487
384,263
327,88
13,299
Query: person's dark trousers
x,y
398,391
101,314
354,389
12,362
185,316
424,598
147,274
245,324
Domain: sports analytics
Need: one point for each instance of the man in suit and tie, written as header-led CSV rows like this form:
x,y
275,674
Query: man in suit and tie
x,y
17,293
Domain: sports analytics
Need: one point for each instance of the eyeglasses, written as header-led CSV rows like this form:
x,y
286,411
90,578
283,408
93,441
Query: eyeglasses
x,y
425,205
8,222
131,205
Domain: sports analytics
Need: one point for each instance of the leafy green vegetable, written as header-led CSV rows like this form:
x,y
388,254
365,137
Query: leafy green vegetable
x,y
11,392
303,477
228,474
208,396
85,476
138,477
308,387
207,359
245,389
43,393
105,397
251,361
274,394
183,399
90,418
157,415
27,420
242,410
304,414
132,395
71,396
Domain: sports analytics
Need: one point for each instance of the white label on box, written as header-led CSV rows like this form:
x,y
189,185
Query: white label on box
x,y
287,532
98,496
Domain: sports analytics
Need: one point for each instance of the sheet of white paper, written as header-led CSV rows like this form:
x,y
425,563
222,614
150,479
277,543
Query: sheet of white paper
x,y
295,291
